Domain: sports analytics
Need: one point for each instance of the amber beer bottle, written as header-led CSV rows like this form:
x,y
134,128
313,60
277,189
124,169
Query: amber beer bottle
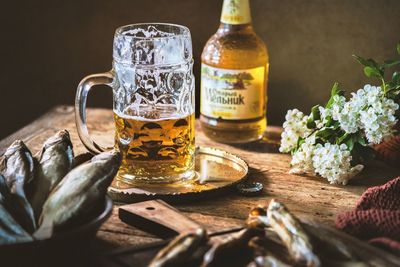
x,y
234,76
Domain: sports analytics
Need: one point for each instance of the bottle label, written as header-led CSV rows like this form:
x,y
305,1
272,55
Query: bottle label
x,y
236,12
232,94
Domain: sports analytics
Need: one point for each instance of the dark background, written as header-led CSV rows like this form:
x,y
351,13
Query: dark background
x,y
48,46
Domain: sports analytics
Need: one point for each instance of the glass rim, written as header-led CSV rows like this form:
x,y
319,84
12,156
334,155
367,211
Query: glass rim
x,y
148,66
121,31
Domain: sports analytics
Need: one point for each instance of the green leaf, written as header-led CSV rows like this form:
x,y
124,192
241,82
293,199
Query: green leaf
x,y
350,143
392,86
325,133
361,140
390,63
330,122
396,77
334,125
311,123
334,91
361,60
352,139
315,115
315,112
343,138
367,62
398,48
300,141
372,72
371,64
394,93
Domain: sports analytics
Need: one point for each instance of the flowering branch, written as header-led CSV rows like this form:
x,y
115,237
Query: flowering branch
x,y
335,140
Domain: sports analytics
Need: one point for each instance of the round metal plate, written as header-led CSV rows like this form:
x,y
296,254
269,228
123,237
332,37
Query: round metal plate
x,y
215,170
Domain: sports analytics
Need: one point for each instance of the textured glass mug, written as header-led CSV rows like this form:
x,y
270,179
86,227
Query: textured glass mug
x,y
153,103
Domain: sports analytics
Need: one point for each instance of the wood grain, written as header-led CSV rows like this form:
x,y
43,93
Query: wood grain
x,y
156,215
306,197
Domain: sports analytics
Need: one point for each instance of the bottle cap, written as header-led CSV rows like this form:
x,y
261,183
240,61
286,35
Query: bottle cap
x,y
250,188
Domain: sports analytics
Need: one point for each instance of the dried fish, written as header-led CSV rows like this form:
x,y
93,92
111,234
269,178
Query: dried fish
x,y
333,263
266,254
292,234
334,247
55,161
258,217
222,252
10,230
177,252
82,158
330,244
267,261
18,169
360,251
4,191
78,194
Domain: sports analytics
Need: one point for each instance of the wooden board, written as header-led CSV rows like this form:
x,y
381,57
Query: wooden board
x,y
307,197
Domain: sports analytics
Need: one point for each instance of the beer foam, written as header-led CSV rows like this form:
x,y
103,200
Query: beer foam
x,y
163,114
150,32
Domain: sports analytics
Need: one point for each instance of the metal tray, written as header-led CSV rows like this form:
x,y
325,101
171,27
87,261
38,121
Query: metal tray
x,y
216,170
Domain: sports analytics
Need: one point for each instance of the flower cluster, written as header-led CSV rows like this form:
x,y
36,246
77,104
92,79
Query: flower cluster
x,y
302,159
369,110
334,163
332,139
295,127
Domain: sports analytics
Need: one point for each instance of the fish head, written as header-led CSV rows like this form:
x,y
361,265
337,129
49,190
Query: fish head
x,y
59,137
17,160
16,146
275,205
258,217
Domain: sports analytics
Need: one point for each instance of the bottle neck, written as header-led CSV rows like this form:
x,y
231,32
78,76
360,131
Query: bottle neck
x,y
225,28
236,12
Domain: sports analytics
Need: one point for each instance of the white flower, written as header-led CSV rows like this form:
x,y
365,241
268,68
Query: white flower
x,y
302,159
332,162
337,106
325,114
375,113
332,112
368,110
293,128
346,113
378,117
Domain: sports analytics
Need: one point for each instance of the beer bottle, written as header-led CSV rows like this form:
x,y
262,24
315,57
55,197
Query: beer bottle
x,y
234,75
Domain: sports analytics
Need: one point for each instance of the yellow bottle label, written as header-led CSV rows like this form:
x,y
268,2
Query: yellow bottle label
x,y
236,12
232,94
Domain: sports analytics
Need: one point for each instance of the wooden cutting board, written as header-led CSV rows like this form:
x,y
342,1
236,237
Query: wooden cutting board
x,y
157,217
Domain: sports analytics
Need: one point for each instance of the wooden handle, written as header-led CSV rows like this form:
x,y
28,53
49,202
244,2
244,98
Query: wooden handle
x,y
157,217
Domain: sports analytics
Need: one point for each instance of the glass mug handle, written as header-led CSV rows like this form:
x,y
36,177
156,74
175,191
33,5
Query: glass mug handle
x,y
84,87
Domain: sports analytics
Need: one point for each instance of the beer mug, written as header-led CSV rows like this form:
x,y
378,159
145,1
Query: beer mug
x,y
153,103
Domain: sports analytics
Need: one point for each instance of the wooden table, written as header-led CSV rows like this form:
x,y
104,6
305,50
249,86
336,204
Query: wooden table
x,y
307,197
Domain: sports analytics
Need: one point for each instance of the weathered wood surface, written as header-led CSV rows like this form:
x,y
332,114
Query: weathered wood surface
x,y
307,197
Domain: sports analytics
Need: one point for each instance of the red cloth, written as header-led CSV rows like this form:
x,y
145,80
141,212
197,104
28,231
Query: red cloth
x,y
376,216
